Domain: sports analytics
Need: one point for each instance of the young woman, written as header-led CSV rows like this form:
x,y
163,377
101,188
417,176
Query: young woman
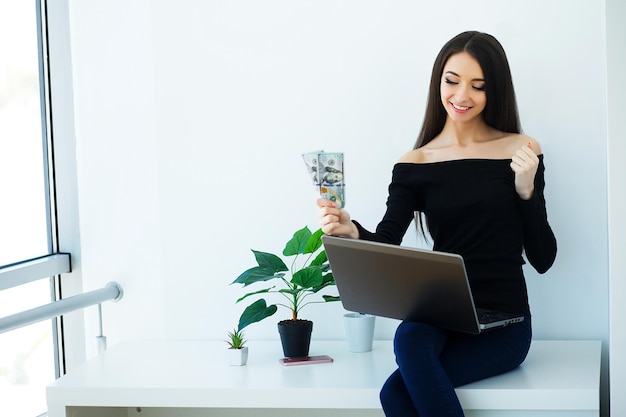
x,y
477,183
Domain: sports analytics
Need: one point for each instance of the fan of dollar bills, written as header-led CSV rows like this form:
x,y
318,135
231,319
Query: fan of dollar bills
x,y
326,171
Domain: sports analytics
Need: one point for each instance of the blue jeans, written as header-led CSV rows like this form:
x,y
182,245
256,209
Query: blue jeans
x,y
432,362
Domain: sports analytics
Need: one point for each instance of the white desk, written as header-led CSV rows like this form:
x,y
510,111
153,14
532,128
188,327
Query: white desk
x,y
191,378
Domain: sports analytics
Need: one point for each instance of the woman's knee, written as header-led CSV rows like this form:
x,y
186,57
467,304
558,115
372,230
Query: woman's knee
x,y
418,337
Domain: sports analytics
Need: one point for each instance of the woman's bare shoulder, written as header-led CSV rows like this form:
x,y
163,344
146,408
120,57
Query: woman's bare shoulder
x,y
415,156
516,141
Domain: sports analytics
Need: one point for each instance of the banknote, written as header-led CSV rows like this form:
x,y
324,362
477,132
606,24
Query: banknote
x,y
327,173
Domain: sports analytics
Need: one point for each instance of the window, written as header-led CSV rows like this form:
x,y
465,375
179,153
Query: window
x,y
27,355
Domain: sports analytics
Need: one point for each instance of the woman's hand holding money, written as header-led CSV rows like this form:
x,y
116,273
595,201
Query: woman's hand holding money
x,y
335,221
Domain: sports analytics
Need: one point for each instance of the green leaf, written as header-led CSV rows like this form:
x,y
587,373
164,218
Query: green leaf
x,y
314,242
329,298
269,260
257,274
322,286
329,279
263,291
320,259
255,312
308,277
298,242
290,291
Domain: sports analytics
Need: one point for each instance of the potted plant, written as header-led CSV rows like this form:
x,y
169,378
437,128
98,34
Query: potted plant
x,y
308,273
237,350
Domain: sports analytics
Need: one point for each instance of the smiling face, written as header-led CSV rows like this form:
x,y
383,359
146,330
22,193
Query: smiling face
x,y
463,88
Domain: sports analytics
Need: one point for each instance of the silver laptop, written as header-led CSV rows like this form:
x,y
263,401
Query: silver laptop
x,y
408,284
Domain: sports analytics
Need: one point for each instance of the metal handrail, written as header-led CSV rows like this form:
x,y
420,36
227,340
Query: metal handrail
x,y
112,291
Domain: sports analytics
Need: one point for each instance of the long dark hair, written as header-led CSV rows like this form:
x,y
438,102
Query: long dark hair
x,y
501,108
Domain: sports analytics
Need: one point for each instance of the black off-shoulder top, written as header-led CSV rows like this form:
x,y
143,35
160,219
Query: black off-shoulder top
x,y
472,209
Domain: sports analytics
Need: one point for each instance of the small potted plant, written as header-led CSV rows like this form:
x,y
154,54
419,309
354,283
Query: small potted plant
x,y
237,349
309,273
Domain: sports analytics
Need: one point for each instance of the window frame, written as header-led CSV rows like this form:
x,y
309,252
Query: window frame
x,y
52,264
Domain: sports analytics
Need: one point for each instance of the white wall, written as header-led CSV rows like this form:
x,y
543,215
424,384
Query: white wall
x,y
191,116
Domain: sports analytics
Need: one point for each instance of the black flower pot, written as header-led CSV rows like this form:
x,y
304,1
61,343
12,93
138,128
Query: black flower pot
x,y
295,336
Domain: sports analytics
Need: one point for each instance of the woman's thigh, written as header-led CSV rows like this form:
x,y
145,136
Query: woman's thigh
x,y
468,358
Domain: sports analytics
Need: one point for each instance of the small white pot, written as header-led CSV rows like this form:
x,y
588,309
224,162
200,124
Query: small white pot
x,y
237,357
359,331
